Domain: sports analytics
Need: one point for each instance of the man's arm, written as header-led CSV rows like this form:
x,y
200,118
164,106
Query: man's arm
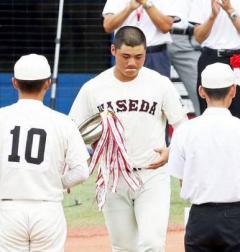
x,y
75,175
176,161
162,22
201,32
232,13
75,158
174,111
112,21
163,158
81,107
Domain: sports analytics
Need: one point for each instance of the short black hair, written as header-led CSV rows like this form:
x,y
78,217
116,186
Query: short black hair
x,y
130,36
31,86
217,93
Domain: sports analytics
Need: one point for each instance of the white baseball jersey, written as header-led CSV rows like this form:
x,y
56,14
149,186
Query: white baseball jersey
x,y
35,144
142,106
204,153
223,34
140,18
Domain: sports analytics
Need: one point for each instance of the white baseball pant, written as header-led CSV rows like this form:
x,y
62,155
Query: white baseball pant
x,y
137,221
32,226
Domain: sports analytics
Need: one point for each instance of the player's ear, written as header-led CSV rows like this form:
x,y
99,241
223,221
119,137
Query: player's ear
x,y
113,50
15,84
232,91
202,92
47,84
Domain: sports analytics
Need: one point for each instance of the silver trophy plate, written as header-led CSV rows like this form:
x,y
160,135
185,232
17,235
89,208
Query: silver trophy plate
x,y
91,129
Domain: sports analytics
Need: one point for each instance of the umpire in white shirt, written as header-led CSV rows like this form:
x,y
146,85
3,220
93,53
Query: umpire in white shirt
x,y
205,156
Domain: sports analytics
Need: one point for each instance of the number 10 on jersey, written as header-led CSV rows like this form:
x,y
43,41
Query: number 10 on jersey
x,y
31,134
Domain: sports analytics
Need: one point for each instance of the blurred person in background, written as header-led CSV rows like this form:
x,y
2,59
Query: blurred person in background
x,y
218,31
155,18
184,52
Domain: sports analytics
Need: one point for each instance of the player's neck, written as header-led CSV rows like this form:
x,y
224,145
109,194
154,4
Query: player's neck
x,y
225,103
34,96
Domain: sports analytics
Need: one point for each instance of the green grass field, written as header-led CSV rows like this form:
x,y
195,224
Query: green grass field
x,y
81,210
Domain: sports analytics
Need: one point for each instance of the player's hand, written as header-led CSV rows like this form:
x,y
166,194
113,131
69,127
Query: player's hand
x,y
163,158
134,4
215,7
226,5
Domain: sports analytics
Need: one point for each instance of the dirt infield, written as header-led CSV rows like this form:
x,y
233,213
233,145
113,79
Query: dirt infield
x,y
96,240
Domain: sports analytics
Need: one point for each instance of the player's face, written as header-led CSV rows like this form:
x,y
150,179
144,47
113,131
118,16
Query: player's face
x,y
129,60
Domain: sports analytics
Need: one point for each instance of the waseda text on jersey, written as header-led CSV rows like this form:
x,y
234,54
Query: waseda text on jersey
x,y
130,105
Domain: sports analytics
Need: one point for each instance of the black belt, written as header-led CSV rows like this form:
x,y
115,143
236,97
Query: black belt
x,y
221,52
156,48
188,31
213,204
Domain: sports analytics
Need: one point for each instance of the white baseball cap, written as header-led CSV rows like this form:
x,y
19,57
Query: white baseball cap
x,y
218,75
32,67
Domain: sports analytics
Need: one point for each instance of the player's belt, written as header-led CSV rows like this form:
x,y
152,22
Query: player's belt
x,y
221,52
156,48
179,31
213,204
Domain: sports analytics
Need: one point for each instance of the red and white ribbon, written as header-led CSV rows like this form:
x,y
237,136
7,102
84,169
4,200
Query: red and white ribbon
x,y
111,159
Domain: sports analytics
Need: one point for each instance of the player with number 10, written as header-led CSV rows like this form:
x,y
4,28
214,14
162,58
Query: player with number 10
x,y
36,143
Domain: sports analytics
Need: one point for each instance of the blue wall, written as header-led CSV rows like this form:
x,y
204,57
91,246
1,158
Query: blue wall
x,y
67,89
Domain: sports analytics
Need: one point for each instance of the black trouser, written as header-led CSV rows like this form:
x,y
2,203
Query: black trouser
x,y
213,228
209,57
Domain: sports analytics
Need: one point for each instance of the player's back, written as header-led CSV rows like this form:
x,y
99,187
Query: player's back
x,y
33,144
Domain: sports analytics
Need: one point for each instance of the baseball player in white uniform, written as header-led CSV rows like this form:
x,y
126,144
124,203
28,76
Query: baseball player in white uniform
x,y
36,143
143,100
